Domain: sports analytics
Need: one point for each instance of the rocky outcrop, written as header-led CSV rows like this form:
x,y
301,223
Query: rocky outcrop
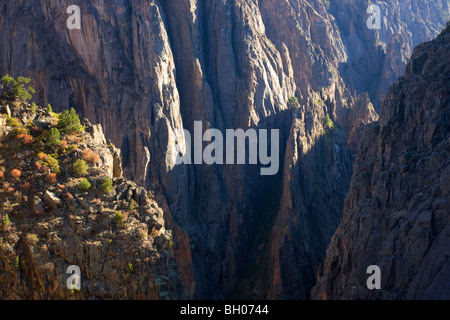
x,y
146,69
396,212
116,234
358,117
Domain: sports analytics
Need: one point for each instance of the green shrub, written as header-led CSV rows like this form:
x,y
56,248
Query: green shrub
x,y
12,89
20,130
80,168
32,238
13,122
107,185
49,109
84,185
50,162
33,108
69,122
6,221
118,217
72,147
329,124
293,103
53,138
129,269
133,205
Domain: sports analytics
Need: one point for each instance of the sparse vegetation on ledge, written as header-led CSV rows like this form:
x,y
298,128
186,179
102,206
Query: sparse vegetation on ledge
x,y
58,194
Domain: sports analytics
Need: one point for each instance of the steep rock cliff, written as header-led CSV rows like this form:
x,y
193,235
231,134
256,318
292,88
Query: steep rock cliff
x,y
396,212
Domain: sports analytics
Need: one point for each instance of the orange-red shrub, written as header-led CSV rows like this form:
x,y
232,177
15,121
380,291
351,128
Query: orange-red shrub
x,y
73,139
28,139
15,173
51,178
67,196
89,156
95,158
26,186
25,138
38,165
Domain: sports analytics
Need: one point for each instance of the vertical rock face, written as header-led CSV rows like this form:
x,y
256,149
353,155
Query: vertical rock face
x,y
316,176
396,212
147,69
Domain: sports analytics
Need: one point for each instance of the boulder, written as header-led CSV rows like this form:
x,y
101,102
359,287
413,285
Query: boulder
x,y
37,206
86,206
160,241
142,194
51,199
157,222
97,134
129,195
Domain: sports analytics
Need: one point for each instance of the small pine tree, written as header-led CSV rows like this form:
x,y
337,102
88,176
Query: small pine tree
x,y
49,109
107,185
12,89
53,138
84,185
80,168
69,122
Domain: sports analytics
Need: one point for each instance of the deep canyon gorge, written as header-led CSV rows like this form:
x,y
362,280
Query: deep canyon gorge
x,y
363,156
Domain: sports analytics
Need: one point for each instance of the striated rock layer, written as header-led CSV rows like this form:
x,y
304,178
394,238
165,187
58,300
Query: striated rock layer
x,y
396,214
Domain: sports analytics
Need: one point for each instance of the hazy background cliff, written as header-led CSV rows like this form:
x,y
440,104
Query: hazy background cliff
x,y
144,69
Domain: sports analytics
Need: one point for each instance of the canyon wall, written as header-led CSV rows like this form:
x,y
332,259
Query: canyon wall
x,y
147,69
396,212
